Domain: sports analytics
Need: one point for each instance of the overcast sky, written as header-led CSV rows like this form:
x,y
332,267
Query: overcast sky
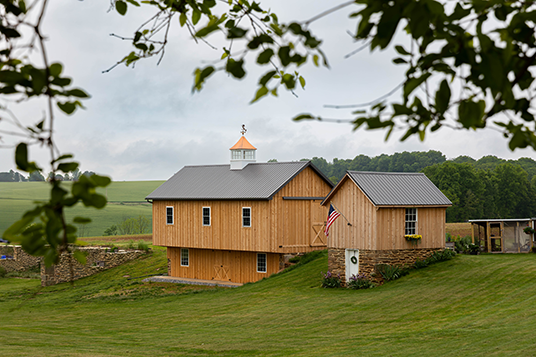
x,y
145,124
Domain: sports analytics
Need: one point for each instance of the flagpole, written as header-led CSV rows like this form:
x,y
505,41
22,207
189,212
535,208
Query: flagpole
x,y
350,224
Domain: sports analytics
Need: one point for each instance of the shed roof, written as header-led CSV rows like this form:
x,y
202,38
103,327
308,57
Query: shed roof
x,y
256,181
396,189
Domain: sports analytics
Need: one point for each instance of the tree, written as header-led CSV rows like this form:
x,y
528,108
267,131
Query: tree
x,y
36,176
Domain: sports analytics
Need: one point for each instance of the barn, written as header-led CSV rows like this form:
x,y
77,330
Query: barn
x,y
386,218
236,222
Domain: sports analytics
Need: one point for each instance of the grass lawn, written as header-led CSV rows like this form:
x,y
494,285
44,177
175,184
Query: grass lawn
x,y
469,306
126,200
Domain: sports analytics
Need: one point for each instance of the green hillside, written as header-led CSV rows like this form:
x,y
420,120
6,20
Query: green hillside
x,y
469,306
126,199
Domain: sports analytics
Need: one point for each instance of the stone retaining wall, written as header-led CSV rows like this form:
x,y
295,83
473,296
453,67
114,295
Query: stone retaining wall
x,y
18,259
368,259
97,260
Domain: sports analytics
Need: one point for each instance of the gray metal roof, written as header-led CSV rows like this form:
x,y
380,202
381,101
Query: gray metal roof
x,y
398,188
256,181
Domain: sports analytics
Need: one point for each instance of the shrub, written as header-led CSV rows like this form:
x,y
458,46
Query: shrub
x,y
462,244
331,281
295,259
131,244
3,272
143,246
389,272
359,281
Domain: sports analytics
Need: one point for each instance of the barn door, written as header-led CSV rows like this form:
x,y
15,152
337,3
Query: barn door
x,y
222,267
351,262
318,238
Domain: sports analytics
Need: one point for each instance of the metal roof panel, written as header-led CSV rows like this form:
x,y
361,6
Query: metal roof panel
x,y
399,188
217,182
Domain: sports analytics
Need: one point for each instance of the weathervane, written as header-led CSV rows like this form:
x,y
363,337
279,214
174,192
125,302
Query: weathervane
x,y
243,131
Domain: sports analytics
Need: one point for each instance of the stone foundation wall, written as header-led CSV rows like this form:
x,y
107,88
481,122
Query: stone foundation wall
x,y
97,259
16,259
368,259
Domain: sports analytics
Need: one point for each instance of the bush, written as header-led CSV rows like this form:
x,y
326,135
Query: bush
x,y
131,244
390,272
359,281
295,259
143,246
3,272
462,244
330,281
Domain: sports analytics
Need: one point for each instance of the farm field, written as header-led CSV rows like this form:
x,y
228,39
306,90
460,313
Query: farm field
x,y
126,199
459,229
469,306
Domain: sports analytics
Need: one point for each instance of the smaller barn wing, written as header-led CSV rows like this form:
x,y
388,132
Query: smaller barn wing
x,y
396,189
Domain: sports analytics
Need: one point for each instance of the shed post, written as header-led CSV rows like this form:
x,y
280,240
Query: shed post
x,y
488,236
473,232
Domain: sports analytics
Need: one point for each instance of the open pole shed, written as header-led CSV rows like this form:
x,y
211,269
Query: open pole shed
x,y
503,235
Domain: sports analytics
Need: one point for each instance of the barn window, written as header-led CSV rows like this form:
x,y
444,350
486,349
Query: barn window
x,y
206,216
411,221
169,215
261,262
246,216
185,257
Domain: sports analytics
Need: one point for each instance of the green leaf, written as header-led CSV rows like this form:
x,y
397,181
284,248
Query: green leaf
x,y
182,19
55,69
412,83
79,255
121,7
267,77
67,107
265,56
68,166
100,181
77,93
196,16
201,76
81,220
315,60
235,68
442,98
302,81
133,2
21,159
402,51
303,117
263,91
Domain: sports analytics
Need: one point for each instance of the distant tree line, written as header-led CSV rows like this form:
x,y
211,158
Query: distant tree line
x,y
486,188
13,176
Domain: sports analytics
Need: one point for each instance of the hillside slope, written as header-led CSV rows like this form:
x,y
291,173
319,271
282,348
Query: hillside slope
x,y
469,306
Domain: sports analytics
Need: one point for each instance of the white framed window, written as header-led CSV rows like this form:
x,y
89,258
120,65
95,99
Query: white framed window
x,y
411,221
206,216
185,257
169,215
246,216
261,262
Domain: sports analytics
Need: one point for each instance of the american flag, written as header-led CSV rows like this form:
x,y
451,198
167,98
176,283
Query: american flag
x,y
332,216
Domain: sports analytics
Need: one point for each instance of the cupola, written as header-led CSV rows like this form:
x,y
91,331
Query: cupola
x,y
242,153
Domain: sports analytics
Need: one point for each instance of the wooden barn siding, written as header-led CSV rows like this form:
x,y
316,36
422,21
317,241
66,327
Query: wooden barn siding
x,y
430,224
360,212
382,228
275,223
241,267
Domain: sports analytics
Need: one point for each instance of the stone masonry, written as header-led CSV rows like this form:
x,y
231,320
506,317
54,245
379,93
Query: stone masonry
x,y
368,259
97,260
16,259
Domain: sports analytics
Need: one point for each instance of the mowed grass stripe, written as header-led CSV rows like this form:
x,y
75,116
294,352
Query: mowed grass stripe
x,y
472,305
